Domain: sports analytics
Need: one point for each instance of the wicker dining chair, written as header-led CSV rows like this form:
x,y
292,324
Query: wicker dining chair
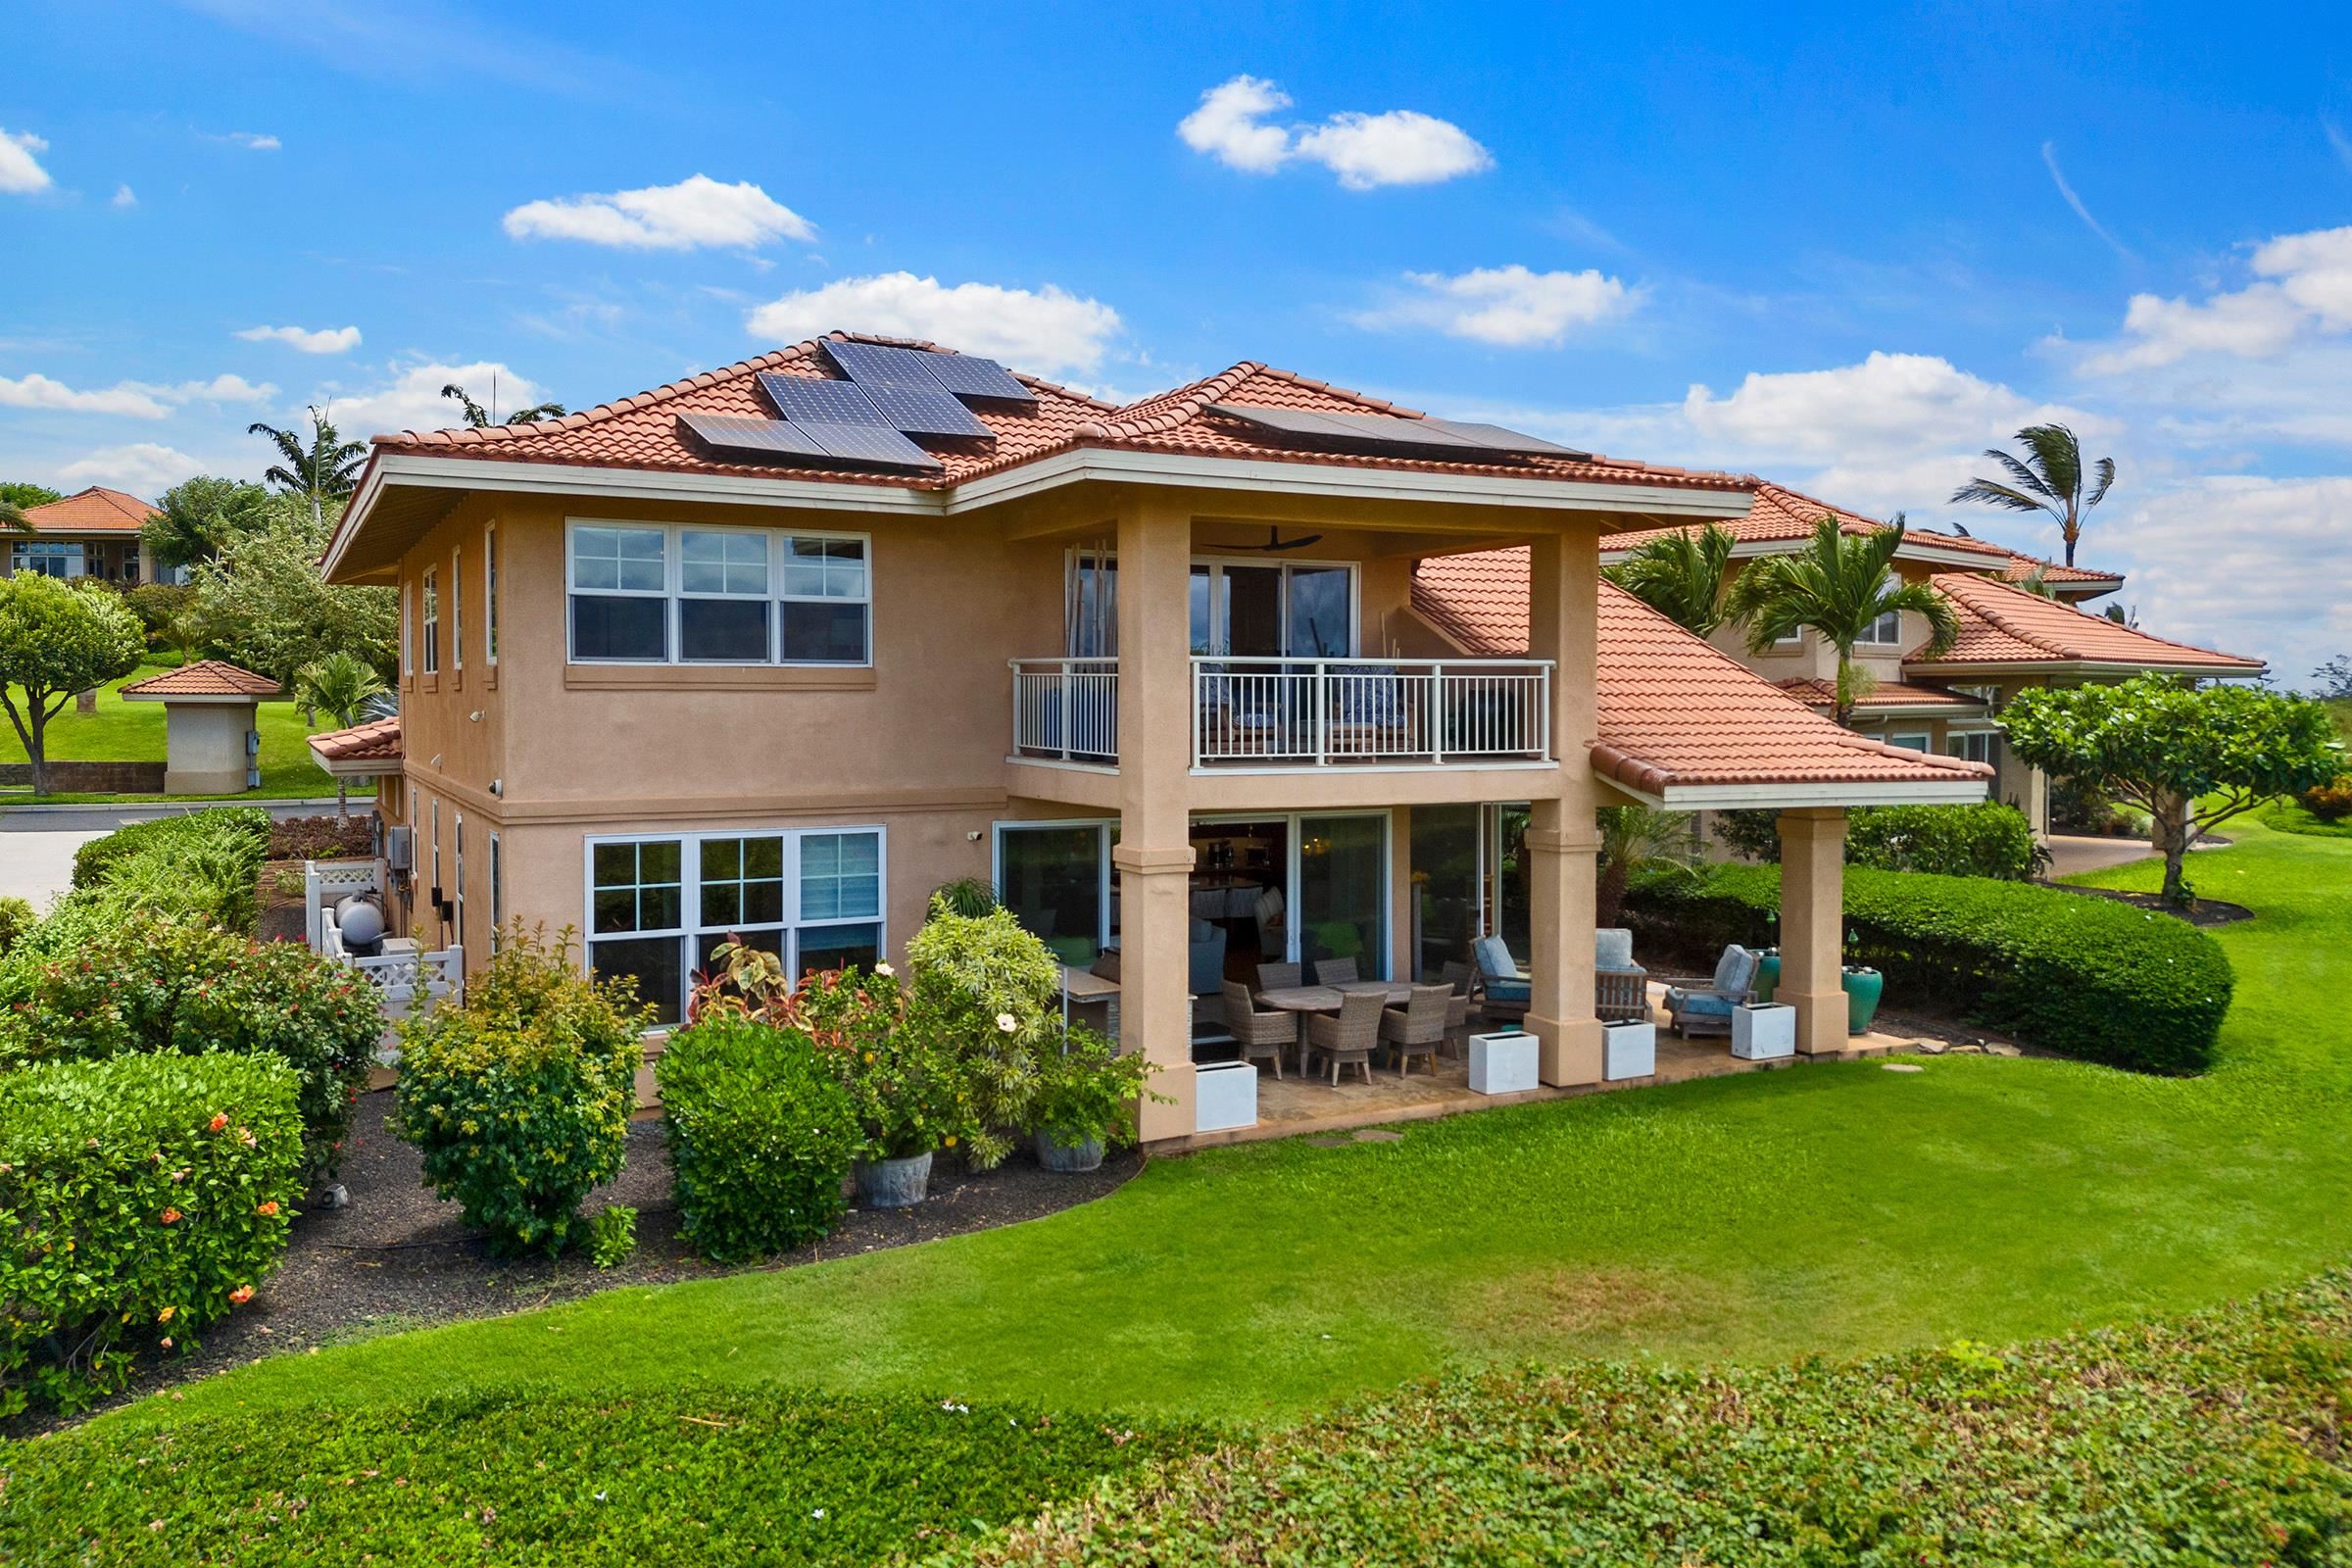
x,y
1416,1028
1334,972
1457,978
1261,1034
1348,1039
1279,976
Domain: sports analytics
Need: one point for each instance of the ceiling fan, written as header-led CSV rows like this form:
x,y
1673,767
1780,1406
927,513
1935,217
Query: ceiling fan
x,y
1275,541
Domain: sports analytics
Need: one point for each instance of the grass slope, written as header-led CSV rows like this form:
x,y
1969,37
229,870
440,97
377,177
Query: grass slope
x,y
1742,1218
134,732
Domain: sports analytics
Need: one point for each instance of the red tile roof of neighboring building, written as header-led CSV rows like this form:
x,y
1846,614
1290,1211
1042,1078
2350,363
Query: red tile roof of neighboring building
x,y
96,510
1678,711
1477,599
643,431
1885,694
2004,625
207,677
377,741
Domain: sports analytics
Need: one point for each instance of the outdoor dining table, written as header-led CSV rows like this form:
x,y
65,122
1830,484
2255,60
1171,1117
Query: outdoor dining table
x,y
1326,999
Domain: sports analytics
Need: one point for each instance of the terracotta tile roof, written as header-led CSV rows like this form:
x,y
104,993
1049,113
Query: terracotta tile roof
x,y
641,432
96,510
1478,600
1885,694
1677,711
2022,565
207,677
377,741
2004,625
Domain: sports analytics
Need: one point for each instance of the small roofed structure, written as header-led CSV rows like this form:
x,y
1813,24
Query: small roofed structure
x,y
364,751
212,740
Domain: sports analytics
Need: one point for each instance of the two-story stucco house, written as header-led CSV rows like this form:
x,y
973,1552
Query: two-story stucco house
x,y
779,650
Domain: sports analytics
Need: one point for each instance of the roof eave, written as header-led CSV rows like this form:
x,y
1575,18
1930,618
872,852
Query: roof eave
x,y
2245,670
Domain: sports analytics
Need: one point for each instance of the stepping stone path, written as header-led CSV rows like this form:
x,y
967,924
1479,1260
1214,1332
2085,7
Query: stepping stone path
x,y
1902,1066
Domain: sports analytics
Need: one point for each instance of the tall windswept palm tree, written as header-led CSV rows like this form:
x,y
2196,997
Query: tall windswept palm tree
x,y
1838,585
13,519
481,418
1681,576
344,688
2050,479
325,469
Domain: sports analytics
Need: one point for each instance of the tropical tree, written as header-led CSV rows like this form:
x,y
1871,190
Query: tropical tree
x,y
197,518
2050,479
1681,576
1633,837
2037,583
2334,677
25,493
328,468
264,603
348,691
13,519
2192,757
481,418
1839,584
56,641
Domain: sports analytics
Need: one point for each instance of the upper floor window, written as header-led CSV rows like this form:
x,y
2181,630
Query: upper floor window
x,y
408,631
1884,632
432,620
681,594
456,610
490,594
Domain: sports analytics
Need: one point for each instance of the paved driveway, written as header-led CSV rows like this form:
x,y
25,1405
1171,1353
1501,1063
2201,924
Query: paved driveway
x,y
2072,856
36,846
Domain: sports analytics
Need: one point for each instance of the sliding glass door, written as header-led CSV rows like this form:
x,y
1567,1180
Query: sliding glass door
x,y
1249,610
1343,891
1057,879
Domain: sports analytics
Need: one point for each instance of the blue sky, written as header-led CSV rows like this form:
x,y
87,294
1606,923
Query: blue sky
x,y
1845,251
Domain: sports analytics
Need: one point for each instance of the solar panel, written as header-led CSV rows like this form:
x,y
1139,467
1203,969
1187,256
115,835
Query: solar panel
x,y
1389,432
1500,439
876,444
872,365
803,399
924,411
967,375
764,438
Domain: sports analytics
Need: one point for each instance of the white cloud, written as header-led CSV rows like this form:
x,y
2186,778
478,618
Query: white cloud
x,y
411,399
1889,404
2303,289
22,173
1398,147
695,212
124,196
143,469
310,340
34,390
254,142
219,389
1046,331
2050,158
1508,306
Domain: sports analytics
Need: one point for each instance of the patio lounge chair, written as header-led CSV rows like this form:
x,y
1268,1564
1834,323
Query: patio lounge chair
x,y
1261,1034
1414,1029
1207,957
1280,976
1620,986
1348,1039
1503,990
1704,1007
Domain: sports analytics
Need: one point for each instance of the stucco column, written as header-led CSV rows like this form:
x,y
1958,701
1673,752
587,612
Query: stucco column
x,y
1154,853
1812,926
1564,843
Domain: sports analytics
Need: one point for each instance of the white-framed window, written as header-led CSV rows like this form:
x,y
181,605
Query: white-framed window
x,y
50,557
407,634
660,904
1974,746
456,610
679,593
457,889
432,620
438,890
1884,632
1911,741
498,888
490,594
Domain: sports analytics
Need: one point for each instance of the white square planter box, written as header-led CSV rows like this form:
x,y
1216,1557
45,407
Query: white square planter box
x,y
1224,1097
1629,1049
1763,1031
1503,1065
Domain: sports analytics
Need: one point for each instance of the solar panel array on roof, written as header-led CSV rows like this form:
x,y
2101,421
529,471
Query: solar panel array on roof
x,y
925,410
804,398
867,445
967,375
1389,432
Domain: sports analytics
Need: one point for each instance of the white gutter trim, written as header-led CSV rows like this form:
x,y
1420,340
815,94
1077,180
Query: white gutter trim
x,y
357,767
1738,797
2087,666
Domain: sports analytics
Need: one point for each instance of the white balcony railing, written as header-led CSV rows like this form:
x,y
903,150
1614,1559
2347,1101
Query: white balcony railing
x,y
1302,712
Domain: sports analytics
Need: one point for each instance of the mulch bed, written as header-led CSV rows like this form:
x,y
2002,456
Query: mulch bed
x,y
324,838
2201,912
398,1257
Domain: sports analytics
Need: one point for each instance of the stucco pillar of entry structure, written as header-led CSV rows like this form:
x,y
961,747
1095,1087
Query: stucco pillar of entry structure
x,y
1813,926
1154,851
1563,840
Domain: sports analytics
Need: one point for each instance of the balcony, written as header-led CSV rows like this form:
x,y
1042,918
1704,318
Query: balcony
x,y
1292,714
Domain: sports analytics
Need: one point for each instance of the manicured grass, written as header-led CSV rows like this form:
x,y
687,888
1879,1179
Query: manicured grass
x,y
134,732
521,1476
1742,1218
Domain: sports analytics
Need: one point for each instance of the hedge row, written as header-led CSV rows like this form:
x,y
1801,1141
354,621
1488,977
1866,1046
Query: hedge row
x,y
2082,977
1985,839
141,1198
206,864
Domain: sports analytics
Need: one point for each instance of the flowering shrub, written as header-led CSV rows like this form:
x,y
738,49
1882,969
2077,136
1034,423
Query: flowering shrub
x,y
144,1197
158,984
761,1132
991,991
2331,802
1088,1091
520,1098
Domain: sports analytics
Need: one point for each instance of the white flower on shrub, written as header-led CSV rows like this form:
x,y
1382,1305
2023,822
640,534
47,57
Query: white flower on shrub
x,y
1006,1022
884,970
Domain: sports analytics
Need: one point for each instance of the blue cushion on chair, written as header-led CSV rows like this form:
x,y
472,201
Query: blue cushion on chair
x,y
1494,960
1699,1004
1509,990
1734,971
1613,950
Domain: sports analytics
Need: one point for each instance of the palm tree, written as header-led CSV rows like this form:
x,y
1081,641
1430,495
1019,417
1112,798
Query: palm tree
x,y
2049,480
328,468
13,519
1680,575
2037,583
1633,837
481,417
1838,585
346,689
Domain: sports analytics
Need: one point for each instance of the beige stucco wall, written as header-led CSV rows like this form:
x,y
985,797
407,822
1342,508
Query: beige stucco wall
x,y
204,747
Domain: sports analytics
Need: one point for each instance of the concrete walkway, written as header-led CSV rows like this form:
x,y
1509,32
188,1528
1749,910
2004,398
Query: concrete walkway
x,y
2073,855
37,843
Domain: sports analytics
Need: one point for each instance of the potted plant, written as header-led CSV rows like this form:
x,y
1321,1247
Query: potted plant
x,y
1086,1095
1864,985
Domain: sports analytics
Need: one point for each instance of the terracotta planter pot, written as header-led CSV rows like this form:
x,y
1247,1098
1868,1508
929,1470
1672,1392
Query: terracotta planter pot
x,y
894,1183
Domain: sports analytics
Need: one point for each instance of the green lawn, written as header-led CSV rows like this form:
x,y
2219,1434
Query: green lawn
x,y
134,732
1845,1208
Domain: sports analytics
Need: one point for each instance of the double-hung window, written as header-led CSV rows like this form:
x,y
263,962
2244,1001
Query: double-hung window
x,y
432,620
689,595
456,610
490,594
1884,632
1974,746
408,631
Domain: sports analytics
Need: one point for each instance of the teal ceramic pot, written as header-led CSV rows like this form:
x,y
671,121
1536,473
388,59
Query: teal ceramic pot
x,y
1863,988
1768,973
